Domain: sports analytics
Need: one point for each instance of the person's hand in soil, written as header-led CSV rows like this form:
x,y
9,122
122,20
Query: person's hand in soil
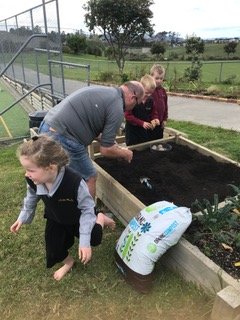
x,y
127,154
117,152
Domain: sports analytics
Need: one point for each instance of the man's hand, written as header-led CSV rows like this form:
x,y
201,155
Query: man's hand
x,y
117,152
127,154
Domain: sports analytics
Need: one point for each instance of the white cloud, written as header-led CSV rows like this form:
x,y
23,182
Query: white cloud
x,y
201,17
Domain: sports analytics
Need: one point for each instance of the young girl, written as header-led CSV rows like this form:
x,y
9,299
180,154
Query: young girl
x,y
69,207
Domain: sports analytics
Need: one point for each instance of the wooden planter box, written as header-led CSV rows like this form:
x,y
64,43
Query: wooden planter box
x,y
184,258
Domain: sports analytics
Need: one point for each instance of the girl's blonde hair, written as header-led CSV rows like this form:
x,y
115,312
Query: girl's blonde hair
x,y
157,68
44,151
148,82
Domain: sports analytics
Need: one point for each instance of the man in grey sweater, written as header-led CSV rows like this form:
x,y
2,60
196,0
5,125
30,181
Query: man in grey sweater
x,y
92,113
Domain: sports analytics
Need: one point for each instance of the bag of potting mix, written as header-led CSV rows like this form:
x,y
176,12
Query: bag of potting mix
x,y
146,238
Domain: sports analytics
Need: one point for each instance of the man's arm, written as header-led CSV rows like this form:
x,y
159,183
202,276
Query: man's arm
x,y
116,151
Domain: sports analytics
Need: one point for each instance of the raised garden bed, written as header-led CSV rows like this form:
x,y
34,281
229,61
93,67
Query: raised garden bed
x,y
201,180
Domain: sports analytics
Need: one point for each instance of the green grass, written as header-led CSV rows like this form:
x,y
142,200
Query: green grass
x,y
16,119
212,71
96,291
215,50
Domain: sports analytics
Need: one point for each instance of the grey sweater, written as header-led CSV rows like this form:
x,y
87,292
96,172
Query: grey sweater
x,y
87,113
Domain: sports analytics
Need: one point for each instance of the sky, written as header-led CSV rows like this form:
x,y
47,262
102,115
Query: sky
x,y
203,18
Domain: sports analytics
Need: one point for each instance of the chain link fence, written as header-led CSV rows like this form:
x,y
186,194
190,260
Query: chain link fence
x,y
31,65
28,41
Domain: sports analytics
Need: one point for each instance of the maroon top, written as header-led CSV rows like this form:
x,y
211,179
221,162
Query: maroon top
x,y
160,104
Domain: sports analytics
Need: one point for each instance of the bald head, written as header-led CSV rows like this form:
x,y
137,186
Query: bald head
x,y
133,93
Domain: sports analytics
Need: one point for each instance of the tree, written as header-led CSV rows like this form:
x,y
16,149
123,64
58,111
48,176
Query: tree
x,y
194,46
174,37
76,42
122,23
158,48
161,36
230,47
94,46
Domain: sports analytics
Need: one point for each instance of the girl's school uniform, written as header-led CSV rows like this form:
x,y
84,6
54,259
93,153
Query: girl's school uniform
x,y
69,212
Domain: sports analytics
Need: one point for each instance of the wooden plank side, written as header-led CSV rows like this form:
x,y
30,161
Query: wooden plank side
x,y
117,198
148,144
205,151
95,146
194,266
173,132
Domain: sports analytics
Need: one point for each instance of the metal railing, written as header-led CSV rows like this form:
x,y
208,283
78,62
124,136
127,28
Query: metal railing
x,y
62,63
20,50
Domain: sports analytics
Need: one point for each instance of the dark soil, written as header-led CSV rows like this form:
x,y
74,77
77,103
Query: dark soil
x,y
180,176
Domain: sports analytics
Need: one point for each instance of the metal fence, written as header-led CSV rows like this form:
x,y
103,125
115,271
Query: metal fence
x,y
212,71
28,41
31,62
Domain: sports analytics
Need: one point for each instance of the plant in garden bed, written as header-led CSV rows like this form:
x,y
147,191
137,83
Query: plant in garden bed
x,y
235,200
216,231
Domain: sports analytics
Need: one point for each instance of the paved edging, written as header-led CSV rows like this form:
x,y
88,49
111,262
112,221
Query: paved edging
x,y
213,98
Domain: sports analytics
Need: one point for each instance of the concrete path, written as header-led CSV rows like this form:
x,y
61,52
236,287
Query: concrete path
x,y
212,113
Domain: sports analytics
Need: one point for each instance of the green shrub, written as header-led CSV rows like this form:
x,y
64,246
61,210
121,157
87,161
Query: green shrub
x,y
230,80
66,49
193,72
125,77
173,56
213,90
106,76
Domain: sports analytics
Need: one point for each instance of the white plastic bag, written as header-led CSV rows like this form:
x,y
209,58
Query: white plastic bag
x,y
150,234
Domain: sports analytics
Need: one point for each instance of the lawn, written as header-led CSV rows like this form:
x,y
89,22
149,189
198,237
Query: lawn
x,y
212,71
96,291
15,120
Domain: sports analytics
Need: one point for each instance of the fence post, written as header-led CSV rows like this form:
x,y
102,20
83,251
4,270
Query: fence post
x,y
220,75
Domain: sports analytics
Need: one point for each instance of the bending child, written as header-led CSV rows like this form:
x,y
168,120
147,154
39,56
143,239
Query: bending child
x,y
69,208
